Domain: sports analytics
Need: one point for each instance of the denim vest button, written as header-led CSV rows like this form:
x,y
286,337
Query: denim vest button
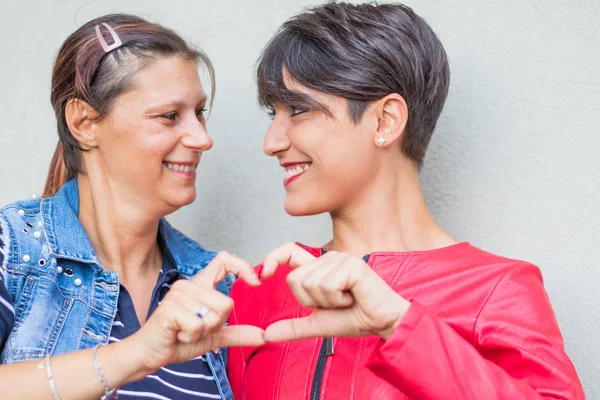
x,y
37,235
77,282
21,213
26,258
39,224
59,269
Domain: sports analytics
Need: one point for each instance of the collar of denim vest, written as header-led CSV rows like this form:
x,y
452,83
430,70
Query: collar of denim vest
x,y
67,238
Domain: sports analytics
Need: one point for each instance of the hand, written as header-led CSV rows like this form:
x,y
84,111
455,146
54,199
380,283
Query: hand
x,y
176,333
349,298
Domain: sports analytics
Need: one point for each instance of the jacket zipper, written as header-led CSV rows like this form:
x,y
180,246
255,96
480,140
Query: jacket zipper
x,y
315,393
326,350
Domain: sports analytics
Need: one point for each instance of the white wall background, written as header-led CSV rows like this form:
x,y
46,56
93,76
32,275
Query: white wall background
x,y
514,166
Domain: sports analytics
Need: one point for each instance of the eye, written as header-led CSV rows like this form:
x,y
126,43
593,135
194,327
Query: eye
x,y
200,113
297,111
170,116
271,114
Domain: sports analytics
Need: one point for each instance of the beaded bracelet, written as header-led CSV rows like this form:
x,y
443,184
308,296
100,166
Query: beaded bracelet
x,y
109,394
51,379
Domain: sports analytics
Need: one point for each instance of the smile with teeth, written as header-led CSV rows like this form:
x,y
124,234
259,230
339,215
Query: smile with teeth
x,y
180,167
294,170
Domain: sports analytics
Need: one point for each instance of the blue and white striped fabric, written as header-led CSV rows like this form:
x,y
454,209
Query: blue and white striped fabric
x,y
189,380
7,311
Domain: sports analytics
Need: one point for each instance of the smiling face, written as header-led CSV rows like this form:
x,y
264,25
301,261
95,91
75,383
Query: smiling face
x,y
151,141
328,159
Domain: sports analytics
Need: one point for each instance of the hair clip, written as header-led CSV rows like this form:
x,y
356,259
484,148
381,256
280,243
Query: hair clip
x,y
117,41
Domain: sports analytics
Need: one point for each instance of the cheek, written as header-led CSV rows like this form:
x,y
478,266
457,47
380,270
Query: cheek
x,y
136,154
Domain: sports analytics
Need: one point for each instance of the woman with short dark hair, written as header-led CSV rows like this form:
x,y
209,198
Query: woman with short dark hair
x,y
393,307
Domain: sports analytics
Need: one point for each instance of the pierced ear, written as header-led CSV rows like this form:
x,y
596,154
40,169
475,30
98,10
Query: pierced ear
x,y
392,113
80,120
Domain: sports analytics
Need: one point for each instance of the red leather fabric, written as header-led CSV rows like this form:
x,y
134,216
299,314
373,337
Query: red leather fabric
x,y
480,327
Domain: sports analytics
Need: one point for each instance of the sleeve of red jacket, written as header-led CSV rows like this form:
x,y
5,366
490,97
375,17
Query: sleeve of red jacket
x,y
517,353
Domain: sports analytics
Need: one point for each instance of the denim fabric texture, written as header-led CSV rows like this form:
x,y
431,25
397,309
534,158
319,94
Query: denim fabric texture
x,y
63,299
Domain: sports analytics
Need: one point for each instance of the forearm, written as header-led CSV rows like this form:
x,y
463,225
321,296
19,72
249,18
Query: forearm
x,y
74,374
427,359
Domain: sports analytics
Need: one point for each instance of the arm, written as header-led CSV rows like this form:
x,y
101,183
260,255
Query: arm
x,y
519,352
174,333
74,373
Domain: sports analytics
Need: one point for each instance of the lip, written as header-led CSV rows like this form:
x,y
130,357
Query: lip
x,y
289,164
189,174
195,163
287,181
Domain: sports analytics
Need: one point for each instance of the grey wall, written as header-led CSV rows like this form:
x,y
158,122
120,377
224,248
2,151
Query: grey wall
x,y
513,168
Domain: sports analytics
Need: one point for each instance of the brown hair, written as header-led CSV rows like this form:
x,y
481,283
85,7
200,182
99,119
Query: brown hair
x,y
83,70
361,52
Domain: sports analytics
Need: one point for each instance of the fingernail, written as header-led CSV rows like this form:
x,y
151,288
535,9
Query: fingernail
x,y
255,280
264,335
260,271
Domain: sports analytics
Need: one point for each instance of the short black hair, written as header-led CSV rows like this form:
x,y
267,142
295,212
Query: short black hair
x,y
361,52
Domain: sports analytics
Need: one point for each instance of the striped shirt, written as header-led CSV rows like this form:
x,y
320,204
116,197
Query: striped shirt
x,y
189,380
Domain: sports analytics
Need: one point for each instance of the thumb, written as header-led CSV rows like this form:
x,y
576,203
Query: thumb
x,y
302,328
238,336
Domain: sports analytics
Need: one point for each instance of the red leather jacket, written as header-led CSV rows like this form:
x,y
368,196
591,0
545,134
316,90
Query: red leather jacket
x,y
480,327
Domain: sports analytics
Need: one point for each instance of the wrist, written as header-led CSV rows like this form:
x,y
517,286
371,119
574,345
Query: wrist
x,y
126,356
401,310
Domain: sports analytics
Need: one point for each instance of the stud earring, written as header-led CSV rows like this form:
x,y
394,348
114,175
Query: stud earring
x,y
381,140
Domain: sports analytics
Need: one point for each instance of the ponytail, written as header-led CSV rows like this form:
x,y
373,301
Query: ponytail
x,y
57,173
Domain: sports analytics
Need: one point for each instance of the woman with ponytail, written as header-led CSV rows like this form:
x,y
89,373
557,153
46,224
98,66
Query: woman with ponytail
x,y
97,290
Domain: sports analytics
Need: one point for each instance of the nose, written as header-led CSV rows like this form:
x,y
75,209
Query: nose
x,y
276,138
196,137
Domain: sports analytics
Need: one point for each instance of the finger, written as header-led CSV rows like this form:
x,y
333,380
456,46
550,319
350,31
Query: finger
x,y
297,281
184,303
288,254
336,282
179,319
217,302
305,327
238,336
223,264
322,285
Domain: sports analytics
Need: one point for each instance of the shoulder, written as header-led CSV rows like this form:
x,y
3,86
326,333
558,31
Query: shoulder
x,y
20,229
465,259
20,210
503,267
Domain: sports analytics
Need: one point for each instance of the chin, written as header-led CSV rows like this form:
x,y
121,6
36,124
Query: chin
x,y
182,198
301,207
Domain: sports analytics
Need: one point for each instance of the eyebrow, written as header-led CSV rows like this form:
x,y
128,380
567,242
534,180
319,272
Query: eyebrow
x,y
297,99
174,104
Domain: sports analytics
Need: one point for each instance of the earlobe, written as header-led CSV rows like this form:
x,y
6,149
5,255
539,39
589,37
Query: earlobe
x,y
392,118
80,120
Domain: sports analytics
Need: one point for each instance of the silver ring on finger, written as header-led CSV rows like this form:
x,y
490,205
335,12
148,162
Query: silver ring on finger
x,y
202,312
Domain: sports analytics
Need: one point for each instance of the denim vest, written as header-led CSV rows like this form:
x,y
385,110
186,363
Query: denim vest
x,y
64,300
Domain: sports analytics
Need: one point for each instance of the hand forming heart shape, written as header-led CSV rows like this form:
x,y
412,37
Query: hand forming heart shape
x,y
348,297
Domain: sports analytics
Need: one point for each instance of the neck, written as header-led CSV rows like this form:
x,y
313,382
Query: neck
x,y
123,237
390,214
